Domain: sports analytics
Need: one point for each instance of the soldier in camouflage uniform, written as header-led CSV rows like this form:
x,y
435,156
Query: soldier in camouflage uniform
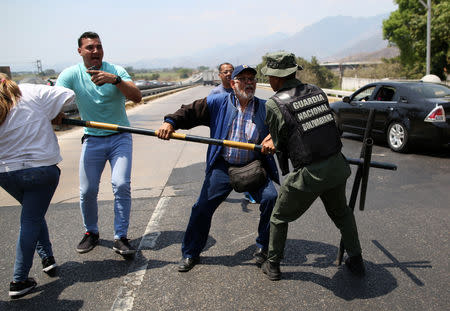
x,y
303,130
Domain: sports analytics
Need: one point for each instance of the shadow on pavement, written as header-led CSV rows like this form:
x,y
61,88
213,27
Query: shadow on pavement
x,y
169,238
403,266
317,259
242,258
68,274
377,282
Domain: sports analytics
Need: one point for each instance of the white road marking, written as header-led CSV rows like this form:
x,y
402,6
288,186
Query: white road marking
x,y
243,237
136,272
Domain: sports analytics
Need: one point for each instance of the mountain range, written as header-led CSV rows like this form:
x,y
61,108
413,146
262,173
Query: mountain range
x,y
333,38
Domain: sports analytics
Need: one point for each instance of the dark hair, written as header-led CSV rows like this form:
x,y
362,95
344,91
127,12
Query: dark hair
x,y
87,35
220,66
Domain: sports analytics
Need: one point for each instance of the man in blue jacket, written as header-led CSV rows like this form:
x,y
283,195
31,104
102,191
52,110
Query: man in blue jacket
x,y
225,72
237,116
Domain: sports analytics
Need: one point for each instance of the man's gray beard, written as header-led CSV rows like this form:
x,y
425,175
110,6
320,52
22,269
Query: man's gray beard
x,y
244,95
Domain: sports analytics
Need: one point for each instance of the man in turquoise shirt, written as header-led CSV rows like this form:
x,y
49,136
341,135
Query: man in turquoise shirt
x,y
101,89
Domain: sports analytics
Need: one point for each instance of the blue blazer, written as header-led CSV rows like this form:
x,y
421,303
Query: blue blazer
x,y
217,112
222,113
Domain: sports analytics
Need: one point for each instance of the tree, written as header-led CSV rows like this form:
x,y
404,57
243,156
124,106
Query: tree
x,y
406,28
184,72
315,74
154,76
312,73
390,68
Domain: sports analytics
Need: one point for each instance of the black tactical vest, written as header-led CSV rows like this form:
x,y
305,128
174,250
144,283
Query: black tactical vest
x,y
312,131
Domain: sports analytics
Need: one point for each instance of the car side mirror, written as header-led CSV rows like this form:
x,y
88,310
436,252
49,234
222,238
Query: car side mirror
x,y
346,99
403,99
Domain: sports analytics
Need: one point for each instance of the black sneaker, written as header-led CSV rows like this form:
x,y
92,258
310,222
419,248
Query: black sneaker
x,y
88,242
48,264
122,247
356,265
272,269
19,289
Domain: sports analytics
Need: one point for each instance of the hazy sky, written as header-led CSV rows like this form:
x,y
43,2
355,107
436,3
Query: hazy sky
x,y
143,29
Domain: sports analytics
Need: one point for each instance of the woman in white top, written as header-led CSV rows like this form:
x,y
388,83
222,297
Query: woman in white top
x,y
29,152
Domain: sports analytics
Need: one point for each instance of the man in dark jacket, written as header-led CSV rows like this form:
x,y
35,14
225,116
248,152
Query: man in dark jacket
x,y
237,116
303,130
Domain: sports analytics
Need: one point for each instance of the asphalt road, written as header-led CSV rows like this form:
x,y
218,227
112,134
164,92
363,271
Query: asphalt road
x,y
403,230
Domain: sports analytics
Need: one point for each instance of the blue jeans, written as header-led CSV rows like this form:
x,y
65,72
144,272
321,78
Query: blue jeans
x,y
34,189
215,190
117,149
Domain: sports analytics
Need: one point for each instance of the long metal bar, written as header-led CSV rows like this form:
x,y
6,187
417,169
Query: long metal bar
x,y
374,164
365,174
179,136
367,156
204,140
361,177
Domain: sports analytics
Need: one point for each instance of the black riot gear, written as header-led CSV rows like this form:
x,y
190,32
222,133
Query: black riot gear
x,y
312,132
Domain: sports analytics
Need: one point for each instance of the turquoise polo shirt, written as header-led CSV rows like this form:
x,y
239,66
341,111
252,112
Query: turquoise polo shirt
x,y
97,103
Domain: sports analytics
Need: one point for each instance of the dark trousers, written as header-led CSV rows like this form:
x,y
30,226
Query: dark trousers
x,y
292,203
215,190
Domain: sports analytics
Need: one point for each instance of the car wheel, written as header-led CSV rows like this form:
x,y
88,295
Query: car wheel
x,y
397,137
338,124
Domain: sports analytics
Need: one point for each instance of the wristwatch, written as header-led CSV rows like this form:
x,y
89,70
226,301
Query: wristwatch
x,y
118,80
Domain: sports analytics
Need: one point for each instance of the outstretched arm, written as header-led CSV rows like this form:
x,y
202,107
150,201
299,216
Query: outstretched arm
x,y
189,116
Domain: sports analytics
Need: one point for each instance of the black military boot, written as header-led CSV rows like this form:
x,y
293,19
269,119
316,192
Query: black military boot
x,y
356,265
272,269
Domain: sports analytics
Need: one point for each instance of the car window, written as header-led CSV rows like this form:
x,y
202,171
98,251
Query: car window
x,y
430,90
385,93
364,94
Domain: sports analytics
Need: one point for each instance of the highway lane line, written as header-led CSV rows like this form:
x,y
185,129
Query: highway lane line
x,y
136,272
243,238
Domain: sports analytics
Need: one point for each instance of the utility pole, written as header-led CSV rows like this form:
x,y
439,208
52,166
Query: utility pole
x,y
428,7
39,66
341,74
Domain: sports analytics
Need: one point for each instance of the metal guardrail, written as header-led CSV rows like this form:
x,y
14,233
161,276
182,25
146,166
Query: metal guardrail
x,y
161,89
337,93
72,110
